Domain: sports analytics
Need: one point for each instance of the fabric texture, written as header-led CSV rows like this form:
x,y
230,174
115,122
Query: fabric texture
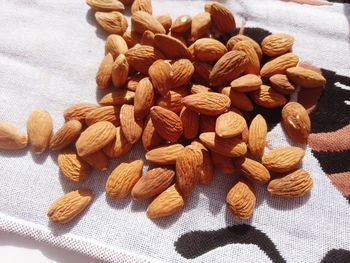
x,y
49,53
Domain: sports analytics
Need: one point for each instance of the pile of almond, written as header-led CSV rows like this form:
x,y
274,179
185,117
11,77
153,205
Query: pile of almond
x,y
184,95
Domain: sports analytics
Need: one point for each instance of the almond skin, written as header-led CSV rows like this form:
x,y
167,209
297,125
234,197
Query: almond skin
x,y
131,127
67,207
112,22
281,84
221,16
209,50
115,45
132,38
118,146
283,160
252,170
104,72
144,98
202,72
147,38
182,73
105,113
150,138
268,98
277,44
257,135
11,138
246,83
296,122
165,155
241,199
237,38
66,135
142,21
207,123
167,203
305,78
120,71
200,25
206,169
166,21
78,111
229,124
238,100
171,47
211,104
231,147
106,5
190,123
294,184
167,124
141,5
39,129
223,163
161,76
118,98
253,66
279,65
134,81
97,160
95,137
72,166
197,88
123,178
152,183
173,101
181,24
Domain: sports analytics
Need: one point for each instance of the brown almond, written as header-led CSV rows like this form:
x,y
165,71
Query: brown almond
x,y
131,127
141,5
190,123
11,138
72,166
167,124
230,124
166,21
95,137
296,122
246,83
305,78
132,38
257,135
152,183
144,98
118,146
150,138
78,111
202,72
281,84
279,65
283,160
120,71
147,38
105,113
268,98
231,147
97,160
106,5
172,101
112,22
207,123
210,103
161,76
39,129
67,207
134,81
221,16
142,21
206,168
104,72
197,88
200,25
237,38
181,24
252,170
223,163
277,44
115,45
183,70
118,98
66,135
295,184
209,49
165,155
253,66
123,178
171,47
238,99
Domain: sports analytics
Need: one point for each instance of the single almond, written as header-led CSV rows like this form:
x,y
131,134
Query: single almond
x,y
106,5
69,206
183,70
231,147
296,122
241,199
78,111
283,160
281,84
257,135
246,83
279,65
141,5
150,138
112,22
295,184
95,137
237,38
115,45
123,178
132,38
120,71
221,16
166,123
207,123
238,99
142,21
268,98
161,76
253,66
152,183
202,72
132,128
252,170
73,167
229,124
97,160
134,81
223,163
66,135
166,21
210,103
197,88
171,47
277,44
206,168
118,98
165,155
209,49
147,38
144,98
165,204
105,113
200,25
104,72
305,78
181,24
190,123
39,129
172,101
118,146
11,138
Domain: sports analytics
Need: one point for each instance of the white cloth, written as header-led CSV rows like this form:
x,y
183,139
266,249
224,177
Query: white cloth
x,y
49,53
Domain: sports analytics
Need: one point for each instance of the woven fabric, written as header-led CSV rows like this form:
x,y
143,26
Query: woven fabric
x,y
49,53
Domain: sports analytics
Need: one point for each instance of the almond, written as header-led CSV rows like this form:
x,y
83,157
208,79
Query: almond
x,y
127,2
268,98
210,103
305,78
11,138
112,22
115,45
95,137
147,38
134,81
141,57
39,129
294,184
223,163
229,124
253,66
206,169
165,155
142,21
209,50
221,16
78,111
235,39
252,170
200,25
123,178
228,67
279,65
72,166
181,24
118,98
171,47
197,88
172,101
296,122
67,207
238,99
152,183
120,71
277,44
190,123
246,83
105,113
132,38
118,146
66,135
257,135
241,199
144,98
104,72
281,84
97,160
231,147
106,5
131,127
167,203
166,21
141,5
207,123
283,159
150,138
167,124
182,73
202,71
161,76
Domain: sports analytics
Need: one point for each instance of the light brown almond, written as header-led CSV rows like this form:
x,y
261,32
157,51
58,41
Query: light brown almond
x,y
253,66
238,99
277,44
106,5
165,155
134,81
181,24
305,78
105,113
97,160
200,25
210,103
206,173
223,163
161,76
190,123
237,38
171,47
252,170
120,71
183,70
257,135
246,83
118,98
221,16
131,127
230,124
11,138
268,98
66,135
150,138
141,5
115,45
142,21
144,98
78,111
197,88
209,49
72,166
112,22
172,101
281,84
104,72
279,65
118,146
